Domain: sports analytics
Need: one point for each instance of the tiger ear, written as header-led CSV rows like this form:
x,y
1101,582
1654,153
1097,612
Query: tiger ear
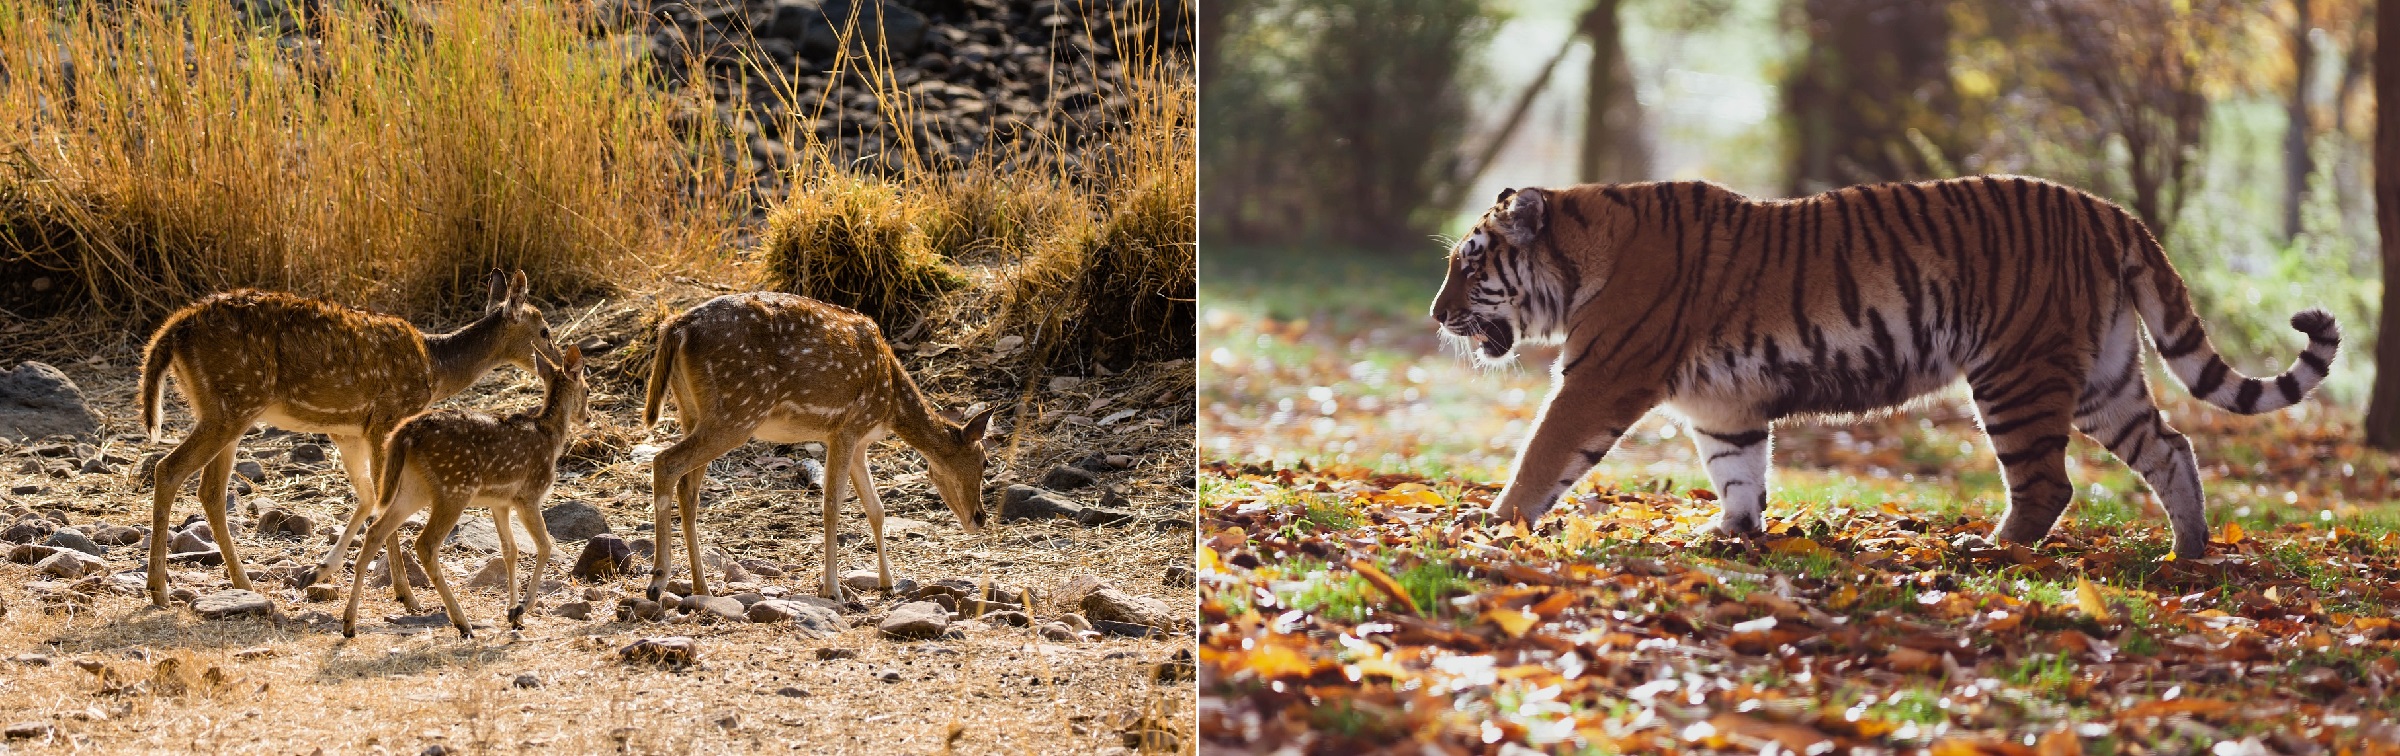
x,y
1504,195
1523,215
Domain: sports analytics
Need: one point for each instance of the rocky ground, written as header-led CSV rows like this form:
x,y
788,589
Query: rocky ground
x,y
1066,630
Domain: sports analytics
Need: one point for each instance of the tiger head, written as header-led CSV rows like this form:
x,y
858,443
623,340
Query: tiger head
x,y
1498,291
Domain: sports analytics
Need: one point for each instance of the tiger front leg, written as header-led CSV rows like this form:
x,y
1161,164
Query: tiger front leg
x,y
1576,429
1737,469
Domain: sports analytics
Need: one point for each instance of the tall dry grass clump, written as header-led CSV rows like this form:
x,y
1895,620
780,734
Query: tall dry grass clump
x,y
859,243
1091,247
152,153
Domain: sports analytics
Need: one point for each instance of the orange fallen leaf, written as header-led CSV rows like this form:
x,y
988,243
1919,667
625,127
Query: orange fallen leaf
x,y
2233,533
2087,598
1795,547
1512,621
1383,582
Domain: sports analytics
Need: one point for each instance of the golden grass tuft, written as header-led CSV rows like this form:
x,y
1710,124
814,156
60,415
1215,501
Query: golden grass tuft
x,y
856,242
157,152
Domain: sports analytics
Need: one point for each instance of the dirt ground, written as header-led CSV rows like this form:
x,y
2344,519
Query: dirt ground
x,y
294,685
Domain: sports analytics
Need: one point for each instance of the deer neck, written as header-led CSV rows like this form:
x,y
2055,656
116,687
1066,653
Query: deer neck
x,y
912,419
462,356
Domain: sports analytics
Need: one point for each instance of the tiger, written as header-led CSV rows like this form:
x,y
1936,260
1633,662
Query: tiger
x,y
1732,314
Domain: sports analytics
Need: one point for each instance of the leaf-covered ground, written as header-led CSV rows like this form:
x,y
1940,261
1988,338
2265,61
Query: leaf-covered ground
x,y
1345,607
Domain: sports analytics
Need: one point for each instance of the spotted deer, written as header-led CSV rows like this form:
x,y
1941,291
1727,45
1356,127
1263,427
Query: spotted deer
x,y
789,369
444,460
246,357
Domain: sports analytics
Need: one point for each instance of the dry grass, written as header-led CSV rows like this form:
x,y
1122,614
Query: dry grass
x,y
159,152
400,691
857,243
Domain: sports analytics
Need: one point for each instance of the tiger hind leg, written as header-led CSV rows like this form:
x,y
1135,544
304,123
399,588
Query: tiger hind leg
x,y
2117,411
1737,469
2028,418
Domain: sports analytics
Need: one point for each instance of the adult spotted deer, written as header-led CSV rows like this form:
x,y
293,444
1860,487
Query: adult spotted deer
x,y
451,458
790,369
247,357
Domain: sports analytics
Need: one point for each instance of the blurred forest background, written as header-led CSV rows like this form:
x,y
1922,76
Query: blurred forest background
x,y
1344,135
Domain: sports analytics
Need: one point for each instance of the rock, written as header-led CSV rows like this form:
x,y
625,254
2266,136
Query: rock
x,y
381,577
1118,461
604,556
1058,631
251,469
36,400
285,523
307,454
1112,605
29,530
1178,668
820,602
476,533
818,25
574,521
748,598
70,564
716,607
30,553
494,574
1067,478
1179,576
679,587
574,610
117,535
639,609
862,580
230,604
643,547
677,651
322,592
254,653
1072,593
98,466
206,556
33,660
888,675
671,601
1096,517
1023,502
766,569
835,654
790,692
527,680
1127,629
28,729
70,538
915,620
902,527
1011,617
188,541
184,596
816,618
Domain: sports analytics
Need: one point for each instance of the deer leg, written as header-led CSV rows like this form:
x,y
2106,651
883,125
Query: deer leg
x,y
446,509
835,449
687,499
210,437
864,479
667,471
212,502
379,539
359,461
508,559
541,558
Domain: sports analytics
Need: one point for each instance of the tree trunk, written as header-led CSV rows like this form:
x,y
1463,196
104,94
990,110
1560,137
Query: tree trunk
x,y
1612,142
1872,71
2297,164
2383,408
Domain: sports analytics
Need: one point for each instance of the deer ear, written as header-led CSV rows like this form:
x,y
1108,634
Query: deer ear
x,y
543,368
517,287
497,282
1524,215
975,429
574,359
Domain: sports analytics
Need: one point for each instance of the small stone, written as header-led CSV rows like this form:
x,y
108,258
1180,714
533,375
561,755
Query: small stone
x,y
1178,668
671,601
574,610
70,564
527,680
764,568
1073,591
604,556
97,466
1179,576
716,607
888,675
230,604
250,468
254,652
29,529
1012,618
117,535
30,553
679,587
1022,502
574,521
1098,517
187,541
197,527
678,651
27,730
297,525
1119,461
1059,631
436,749
37,400
915,620
183,596
747,598
790,692
493,575
1075,621
645,609
862,580
815,618
381,577
1067,479
207,556
1127,629
1113,605
475,533
643,547
322,592
307,454
33,660
833,654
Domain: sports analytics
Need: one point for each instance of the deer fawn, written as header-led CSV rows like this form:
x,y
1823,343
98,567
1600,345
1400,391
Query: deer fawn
x,y
451,458
246,357
789,369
